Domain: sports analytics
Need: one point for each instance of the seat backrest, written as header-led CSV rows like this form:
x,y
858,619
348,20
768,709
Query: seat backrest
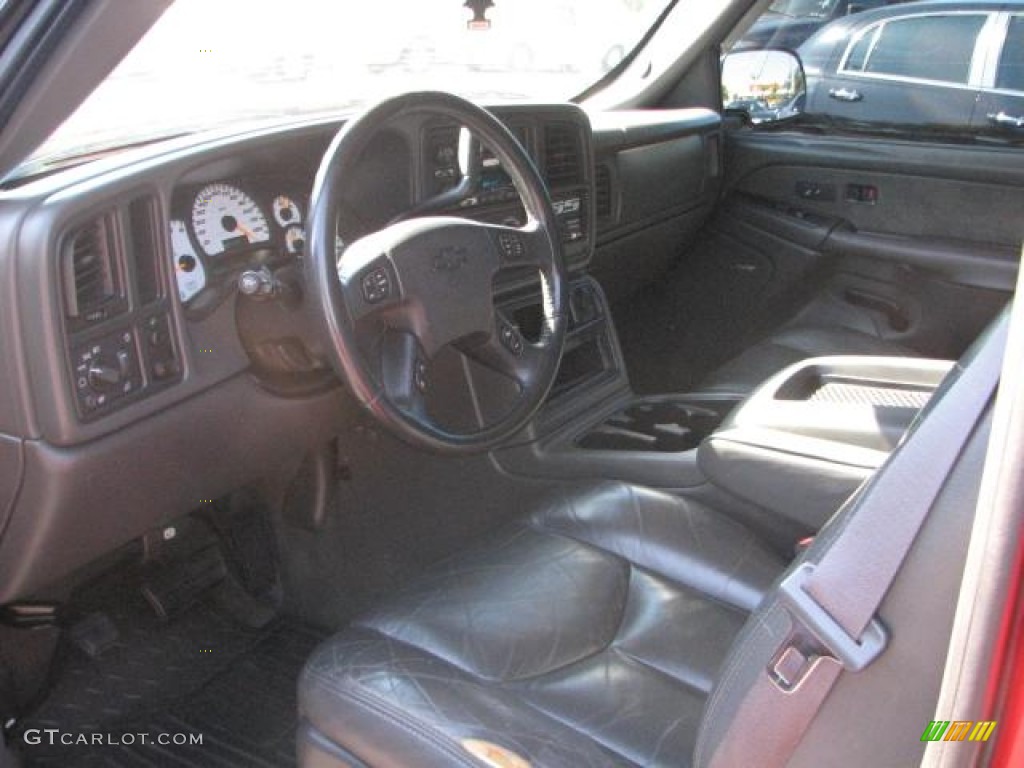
x,y
875,716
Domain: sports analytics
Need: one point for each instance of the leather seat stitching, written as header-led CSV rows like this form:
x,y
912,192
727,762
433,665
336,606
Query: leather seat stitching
x,y
443,741
571,726
626,656
726,573
383,708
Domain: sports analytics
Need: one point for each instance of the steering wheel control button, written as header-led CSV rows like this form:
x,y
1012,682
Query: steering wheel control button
x,y
512,247
419,376
376,285
511,339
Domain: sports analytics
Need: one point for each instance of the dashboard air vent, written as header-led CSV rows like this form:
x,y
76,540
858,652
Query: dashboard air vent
x,y
603,204
90,269
563,159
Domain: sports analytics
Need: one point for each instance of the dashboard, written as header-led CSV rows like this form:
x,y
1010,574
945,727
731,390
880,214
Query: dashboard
x,y
221,226
147,372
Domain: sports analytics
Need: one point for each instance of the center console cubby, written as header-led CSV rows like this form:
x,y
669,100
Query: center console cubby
x,y
662,425
593,425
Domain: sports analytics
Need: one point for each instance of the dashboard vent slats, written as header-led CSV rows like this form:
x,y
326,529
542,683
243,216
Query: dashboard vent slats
x,y
90,268
563,161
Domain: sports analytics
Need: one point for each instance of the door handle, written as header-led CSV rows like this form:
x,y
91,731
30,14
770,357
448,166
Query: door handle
x,y
1006,121
845,94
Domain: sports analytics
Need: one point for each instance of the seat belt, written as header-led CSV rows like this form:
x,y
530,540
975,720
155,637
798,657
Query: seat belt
x,y
833,602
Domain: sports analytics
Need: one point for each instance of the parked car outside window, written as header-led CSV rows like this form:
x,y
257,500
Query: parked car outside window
x,y
954,67
788,23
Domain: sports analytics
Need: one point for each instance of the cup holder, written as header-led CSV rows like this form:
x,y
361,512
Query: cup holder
x,y
665,427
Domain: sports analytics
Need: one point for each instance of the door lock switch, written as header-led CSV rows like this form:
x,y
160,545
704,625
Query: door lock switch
x,y
861,193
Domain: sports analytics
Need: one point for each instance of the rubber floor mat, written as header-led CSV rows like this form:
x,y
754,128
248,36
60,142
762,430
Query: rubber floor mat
x,y
241,713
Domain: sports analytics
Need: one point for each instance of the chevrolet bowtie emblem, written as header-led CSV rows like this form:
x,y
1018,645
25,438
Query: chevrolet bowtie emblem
x,y
449,259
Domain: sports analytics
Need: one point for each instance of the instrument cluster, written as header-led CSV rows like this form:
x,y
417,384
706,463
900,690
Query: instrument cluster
x,y
222,227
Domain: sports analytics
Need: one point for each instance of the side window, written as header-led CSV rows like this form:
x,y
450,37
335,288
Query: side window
x,y
938,48
1010,75
891,69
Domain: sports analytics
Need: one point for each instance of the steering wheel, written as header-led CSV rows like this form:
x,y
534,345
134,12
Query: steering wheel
x,y
393,299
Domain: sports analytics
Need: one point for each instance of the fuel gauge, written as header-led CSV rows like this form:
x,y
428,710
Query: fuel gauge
x,y
286,211
188,269
295,240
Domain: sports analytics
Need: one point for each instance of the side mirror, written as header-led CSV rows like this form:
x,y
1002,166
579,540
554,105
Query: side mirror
x,y
767,85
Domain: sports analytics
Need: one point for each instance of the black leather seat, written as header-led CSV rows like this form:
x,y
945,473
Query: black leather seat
x,y
792,345
620,626
541,635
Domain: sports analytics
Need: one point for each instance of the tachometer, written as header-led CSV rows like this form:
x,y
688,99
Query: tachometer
x,y
225,218
188,270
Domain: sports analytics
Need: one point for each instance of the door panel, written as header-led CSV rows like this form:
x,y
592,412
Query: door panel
x,y
912,242
895,203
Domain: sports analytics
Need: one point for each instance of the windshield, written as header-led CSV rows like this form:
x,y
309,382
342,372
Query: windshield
x,y
800,9
211,64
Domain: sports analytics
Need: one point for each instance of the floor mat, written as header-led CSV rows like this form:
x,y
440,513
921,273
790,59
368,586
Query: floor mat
x,y
214,692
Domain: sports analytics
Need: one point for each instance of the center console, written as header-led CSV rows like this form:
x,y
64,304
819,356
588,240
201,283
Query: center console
x,y
593,425
805,439
785,458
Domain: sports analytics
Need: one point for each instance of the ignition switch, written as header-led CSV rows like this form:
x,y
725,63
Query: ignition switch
x,y
258,283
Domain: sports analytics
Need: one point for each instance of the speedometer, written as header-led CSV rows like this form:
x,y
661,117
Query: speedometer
x,y
225,218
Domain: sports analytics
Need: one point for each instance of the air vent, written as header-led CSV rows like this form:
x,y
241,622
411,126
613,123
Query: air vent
x,y
90,270
562,156
603,205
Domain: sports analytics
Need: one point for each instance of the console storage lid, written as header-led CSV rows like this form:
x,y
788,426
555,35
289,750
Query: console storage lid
x,y
810,435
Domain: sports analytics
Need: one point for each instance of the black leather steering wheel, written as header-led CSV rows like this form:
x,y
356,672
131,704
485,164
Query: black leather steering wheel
x,y
394,298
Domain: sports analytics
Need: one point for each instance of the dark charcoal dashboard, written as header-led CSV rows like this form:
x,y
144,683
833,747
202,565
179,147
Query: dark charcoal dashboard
x,y
237,218
150,383
143,374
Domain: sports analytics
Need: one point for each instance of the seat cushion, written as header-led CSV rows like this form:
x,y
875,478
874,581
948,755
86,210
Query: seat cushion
x,y
588,634
755,364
